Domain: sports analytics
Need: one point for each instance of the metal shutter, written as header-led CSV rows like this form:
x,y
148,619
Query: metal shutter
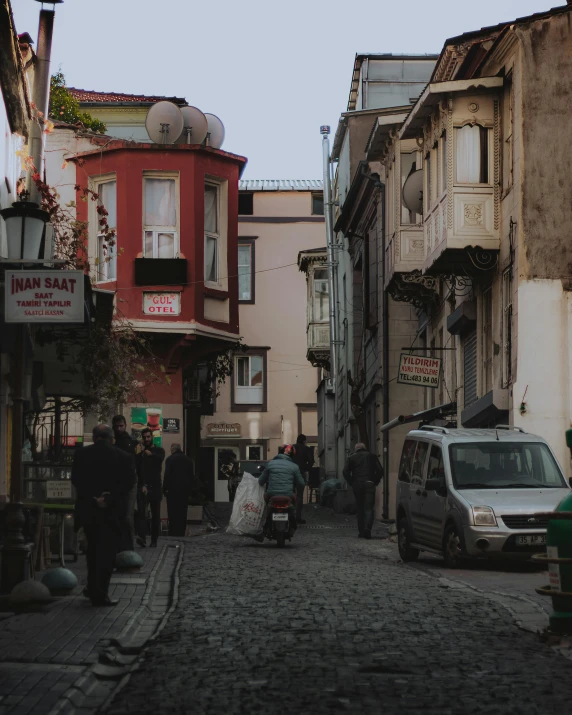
x,y
470,368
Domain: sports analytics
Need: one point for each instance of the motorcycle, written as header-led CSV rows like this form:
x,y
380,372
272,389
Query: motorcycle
x,y
281,522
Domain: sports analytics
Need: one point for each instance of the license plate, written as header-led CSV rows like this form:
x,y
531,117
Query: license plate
x,y
279,517
531,540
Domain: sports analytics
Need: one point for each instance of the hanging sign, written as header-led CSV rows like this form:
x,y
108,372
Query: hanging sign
x,y
44,297
161,303
419,371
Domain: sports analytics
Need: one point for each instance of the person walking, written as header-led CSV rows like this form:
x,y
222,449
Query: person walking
x,y
304,458
103,477
363,473
126,444
177,486
149,461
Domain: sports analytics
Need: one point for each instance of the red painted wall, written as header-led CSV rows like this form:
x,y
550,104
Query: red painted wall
x,y
193,165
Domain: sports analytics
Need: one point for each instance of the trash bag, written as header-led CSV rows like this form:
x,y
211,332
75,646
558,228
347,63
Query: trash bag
x,y
248,508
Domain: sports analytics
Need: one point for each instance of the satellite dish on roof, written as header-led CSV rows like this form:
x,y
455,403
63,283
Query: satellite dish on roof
x,y
215,136
413,192
164,123
195,127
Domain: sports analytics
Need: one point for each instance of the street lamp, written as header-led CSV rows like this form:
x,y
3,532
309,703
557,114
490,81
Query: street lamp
x,y
25,222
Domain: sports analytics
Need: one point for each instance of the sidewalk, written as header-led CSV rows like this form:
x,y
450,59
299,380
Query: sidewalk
x,y
67,656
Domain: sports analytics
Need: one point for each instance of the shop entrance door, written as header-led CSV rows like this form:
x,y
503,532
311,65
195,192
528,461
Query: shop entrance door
x,y
222,457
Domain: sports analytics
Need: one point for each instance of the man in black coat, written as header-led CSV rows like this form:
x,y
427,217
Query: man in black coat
x,y
177,487
363,473
149,461
126,444
103,476
304,458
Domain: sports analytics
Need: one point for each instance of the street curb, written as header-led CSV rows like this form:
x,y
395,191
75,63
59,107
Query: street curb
x,y
97,686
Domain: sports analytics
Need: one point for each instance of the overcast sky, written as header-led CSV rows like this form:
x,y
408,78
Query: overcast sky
x,y
272,72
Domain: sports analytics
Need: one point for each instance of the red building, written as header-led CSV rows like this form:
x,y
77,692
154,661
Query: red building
x,y
174,267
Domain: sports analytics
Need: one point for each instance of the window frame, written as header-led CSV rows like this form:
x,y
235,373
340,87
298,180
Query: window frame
x,y
313,318
251,242
221,237
99,236
315,195
244,406
176,230
242,194
370,268
247,449
484,161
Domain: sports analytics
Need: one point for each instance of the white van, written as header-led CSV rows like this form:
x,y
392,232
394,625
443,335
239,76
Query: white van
x,y
475,492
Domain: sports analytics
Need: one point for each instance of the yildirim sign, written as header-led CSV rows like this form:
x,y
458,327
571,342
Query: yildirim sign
x,y
419,371
44,297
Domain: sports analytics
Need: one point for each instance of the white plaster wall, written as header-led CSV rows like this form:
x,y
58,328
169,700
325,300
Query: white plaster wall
x,y
10,166
544,363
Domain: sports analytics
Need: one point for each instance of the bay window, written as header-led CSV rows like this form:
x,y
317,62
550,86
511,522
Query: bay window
x,y
212,233
472,154
249,382
160,230
106,250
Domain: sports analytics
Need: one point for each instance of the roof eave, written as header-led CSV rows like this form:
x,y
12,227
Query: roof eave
x,y
433,94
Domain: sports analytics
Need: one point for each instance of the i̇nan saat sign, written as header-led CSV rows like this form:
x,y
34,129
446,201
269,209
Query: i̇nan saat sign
x,y
44,296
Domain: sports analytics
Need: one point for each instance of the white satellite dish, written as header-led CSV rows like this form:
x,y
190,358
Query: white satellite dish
x,y
195,127
413,192
215,136
164,123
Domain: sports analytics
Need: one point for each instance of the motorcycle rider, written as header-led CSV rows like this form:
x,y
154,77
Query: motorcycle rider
x,y
283,477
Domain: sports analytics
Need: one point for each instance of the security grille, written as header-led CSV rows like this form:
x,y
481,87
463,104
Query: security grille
x,y
470,368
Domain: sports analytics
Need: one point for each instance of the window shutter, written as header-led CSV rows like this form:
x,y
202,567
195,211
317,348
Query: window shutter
x,y
470,368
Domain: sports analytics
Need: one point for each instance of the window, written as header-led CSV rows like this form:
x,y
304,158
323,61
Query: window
x,y
428,182
106,253
404,474
246,270
245,204
435,469
370,268
507,327
504,465
254,452
318,204
472,154
408,166
487,338
212,233
160,218
321,310
419,462
249,382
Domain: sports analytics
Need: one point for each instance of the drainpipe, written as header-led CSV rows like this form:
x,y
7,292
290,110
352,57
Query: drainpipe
x,y
40,95
385,352
328,212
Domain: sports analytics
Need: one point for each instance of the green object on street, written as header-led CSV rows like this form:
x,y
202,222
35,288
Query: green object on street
x,y
559,546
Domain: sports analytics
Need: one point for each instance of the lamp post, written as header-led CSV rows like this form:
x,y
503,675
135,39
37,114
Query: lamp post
x,y
41,89
25,224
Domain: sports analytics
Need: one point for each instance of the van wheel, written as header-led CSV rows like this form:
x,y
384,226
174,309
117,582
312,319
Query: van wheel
x,y
452,551
406,551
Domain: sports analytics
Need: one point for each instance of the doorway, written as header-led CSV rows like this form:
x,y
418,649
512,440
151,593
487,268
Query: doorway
x,y
222,456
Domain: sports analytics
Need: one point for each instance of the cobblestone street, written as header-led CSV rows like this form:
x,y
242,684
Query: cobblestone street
x,y
332,624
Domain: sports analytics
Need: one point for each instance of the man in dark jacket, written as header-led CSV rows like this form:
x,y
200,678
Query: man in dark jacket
x,y
363,473
177,486
103,476
304,459
126,444
149,461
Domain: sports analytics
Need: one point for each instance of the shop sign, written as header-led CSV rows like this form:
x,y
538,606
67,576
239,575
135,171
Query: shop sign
x,y
161,303
44,297
419,371
171,424
150,418
58,489
223,429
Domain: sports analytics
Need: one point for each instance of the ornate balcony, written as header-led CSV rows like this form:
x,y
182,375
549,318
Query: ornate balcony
x,y
314,264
